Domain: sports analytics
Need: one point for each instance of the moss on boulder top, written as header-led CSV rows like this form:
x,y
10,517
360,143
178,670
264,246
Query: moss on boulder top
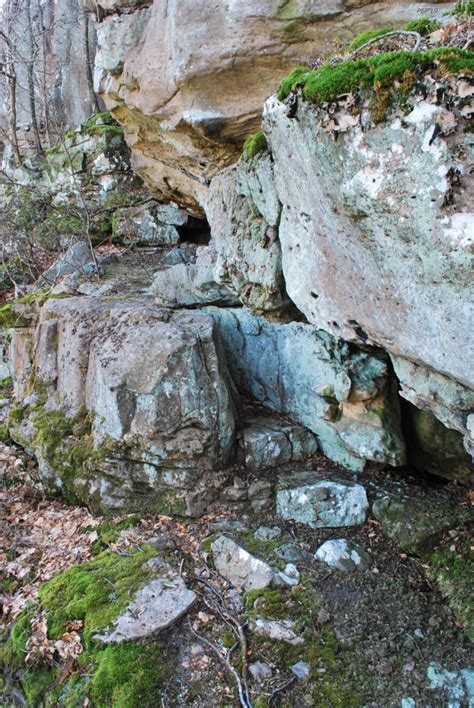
x,y
373,74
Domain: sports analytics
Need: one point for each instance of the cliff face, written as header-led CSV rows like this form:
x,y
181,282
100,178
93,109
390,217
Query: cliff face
x,y
188,79
328,283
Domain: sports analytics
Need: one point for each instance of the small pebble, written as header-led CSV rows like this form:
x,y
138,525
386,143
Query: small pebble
x,y
300,670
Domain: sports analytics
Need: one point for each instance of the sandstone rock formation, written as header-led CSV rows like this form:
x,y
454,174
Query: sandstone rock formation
x,y
140,396
373,216
187,79
343,396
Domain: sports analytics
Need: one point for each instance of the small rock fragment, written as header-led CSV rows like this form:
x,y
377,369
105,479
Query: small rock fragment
x,y
301,669
343,555
279,630
241,568
291,575
322,503
162,543
260,671
292,552
264,533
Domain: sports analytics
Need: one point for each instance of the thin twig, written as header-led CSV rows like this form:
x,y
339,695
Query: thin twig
x,y
374,40
280,689
242,697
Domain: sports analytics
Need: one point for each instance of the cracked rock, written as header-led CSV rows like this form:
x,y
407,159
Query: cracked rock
x,y
155,607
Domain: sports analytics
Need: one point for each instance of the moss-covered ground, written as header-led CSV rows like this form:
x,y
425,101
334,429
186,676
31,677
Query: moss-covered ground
x,y
93,593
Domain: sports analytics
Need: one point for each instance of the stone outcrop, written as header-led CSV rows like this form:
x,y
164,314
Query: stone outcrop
x,y
141,398
187,80
310,499
342,396
377,251
243,211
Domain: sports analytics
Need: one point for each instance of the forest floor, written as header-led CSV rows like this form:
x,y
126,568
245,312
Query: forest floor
x,y
384,636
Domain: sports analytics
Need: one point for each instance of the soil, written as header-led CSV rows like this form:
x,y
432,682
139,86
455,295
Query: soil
x,y
375,632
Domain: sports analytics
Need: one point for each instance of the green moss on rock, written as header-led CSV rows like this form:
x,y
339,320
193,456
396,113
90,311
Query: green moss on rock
x,y
256,144
373,75
365,37
109,532
95,592
452,568
423,26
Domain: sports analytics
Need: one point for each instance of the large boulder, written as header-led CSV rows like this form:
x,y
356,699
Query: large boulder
x,y
188,78
131,406
342,395
375,232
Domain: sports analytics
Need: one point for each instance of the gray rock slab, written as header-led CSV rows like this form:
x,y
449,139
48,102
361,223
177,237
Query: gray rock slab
x,y
75,260
155,607
267,442
321,503
242,569
342,555
278,630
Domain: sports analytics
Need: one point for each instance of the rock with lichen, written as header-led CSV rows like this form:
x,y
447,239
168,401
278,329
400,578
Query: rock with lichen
x,y
132,404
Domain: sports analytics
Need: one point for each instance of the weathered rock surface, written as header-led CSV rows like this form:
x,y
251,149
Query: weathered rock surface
x,y
448,400
76,259
149,223
320,503
416,524
268,442
277,630
243,211
155,607
458,686
194,80
434,448
188,284
381,196
242,569
342,396
342,555
155,393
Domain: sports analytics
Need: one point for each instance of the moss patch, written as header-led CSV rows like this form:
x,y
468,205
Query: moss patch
x,y
95,592
423,26
256,144
327,683
365,37
109,532
453,570
374,75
